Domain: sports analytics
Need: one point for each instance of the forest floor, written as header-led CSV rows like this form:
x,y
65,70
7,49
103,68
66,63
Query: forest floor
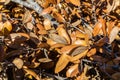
x,y
59,39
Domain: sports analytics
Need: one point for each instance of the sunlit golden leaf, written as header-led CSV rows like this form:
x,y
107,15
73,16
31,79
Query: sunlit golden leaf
x,y
91,52
51,42
58,45
97,28
75,2
67,49
47,24
58,17
62,63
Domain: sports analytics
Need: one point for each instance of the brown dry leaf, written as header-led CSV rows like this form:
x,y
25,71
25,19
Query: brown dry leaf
x,y
91,52
18,63
62,63
47,10
47,24
62,32
31,72
75,2
58,39
72,71
97,28
79,56
58,17
68,49
78,50
113,34
2,53
27,17
102,41
116,76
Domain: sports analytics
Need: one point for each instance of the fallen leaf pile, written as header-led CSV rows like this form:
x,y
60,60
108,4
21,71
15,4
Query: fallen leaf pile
x,y
59,39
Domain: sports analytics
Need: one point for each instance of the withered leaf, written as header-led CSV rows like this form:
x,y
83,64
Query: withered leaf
x,y
58,39
113,34
78,50
79,56
27,17
62,63
72,71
